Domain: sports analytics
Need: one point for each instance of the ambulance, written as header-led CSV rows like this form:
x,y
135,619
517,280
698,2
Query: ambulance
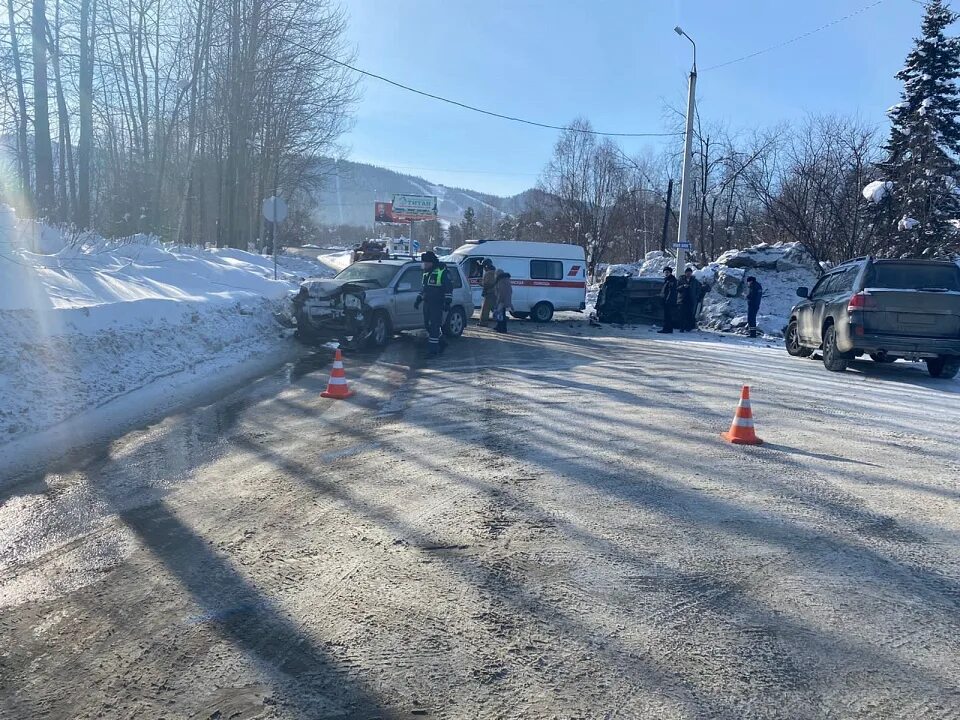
x,y
546,277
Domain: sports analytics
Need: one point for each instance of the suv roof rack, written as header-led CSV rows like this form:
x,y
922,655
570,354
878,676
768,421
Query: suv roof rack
x,y
853,260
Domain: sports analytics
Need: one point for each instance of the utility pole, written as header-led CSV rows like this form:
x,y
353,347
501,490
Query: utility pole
x,y
685,179
666,216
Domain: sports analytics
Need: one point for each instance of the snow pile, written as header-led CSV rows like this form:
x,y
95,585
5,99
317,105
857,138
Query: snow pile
x,y
653,263
337,261
96,319
780,269
876,191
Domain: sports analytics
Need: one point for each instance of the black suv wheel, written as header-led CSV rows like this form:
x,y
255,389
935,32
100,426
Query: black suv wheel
x,y
833,359
792,341
944,367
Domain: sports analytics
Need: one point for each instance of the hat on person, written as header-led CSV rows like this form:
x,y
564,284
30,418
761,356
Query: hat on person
x,y
751,279
688,270
430,256
668,269
487,263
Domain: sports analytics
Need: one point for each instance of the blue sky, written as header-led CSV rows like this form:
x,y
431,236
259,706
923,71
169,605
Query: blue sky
x,y
617,62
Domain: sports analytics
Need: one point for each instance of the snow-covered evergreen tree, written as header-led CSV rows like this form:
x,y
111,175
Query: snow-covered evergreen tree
x,y
924,145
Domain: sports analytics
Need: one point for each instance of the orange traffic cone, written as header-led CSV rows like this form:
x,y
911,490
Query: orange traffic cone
x,y
741,430
337,387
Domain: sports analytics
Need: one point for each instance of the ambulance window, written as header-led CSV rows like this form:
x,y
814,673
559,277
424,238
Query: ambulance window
x,y
546,270
475,268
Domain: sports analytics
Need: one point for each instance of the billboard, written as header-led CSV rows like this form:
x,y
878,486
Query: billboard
x,y
383,212
407,208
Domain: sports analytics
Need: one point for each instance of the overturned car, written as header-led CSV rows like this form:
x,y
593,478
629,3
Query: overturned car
x,y
370,301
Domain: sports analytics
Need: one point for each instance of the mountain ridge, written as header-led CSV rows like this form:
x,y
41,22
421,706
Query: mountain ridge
x,y
351,189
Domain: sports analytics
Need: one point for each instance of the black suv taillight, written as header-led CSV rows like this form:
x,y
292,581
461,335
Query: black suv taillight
x,y
861,301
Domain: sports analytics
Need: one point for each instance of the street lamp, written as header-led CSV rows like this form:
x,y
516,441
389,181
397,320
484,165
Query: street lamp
x,y
685,181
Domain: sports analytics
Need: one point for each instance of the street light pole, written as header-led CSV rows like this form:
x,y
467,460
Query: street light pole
x,y
685,179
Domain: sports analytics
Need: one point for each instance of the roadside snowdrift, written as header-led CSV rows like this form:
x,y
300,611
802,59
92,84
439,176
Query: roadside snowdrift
x,y
88,320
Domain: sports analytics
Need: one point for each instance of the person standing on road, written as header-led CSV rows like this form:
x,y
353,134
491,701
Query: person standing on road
x,y
488,290
436,296
754,295
504,294
688,297
668,294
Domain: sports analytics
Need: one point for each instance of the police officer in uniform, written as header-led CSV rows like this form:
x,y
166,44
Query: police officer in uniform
x,y
668,293
436,296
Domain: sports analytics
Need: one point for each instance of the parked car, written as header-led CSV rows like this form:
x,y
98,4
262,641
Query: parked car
x,y
440,251
370,301
546,277
886,309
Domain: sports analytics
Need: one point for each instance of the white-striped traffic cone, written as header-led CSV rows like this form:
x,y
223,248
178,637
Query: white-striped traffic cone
x,y
337,388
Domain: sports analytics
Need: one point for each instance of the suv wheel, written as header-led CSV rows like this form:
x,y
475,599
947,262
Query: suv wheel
x,y
833,359
542,312
944,366
456,322
380,333
792,341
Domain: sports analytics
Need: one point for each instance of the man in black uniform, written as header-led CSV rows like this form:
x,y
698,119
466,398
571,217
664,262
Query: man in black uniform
x,y
436,295
754,294
688,298
669,295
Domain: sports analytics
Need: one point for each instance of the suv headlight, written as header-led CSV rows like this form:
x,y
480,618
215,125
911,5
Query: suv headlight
x,y
351,301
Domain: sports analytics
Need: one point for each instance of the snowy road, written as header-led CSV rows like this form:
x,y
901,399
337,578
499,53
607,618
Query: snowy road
x,y
545,525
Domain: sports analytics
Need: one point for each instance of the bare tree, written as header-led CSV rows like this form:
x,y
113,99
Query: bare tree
x,y
43,151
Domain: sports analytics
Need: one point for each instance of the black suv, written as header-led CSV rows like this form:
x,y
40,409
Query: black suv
x,y
888,309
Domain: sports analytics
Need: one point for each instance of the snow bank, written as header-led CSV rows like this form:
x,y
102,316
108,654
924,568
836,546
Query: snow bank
x,y
780,269
337,261
94,319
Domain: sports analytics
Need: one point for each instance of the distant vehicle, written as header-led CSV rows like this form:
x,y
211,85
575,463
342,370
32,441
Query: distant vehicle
x,y
546,277
887,309
440,251
311,246
371,250
370,301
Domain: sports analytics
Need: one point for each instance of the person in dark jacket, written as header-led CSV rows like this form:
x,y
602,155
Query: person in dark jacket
x,y
504,293
436,296
688,298
754,295
668,293
487,287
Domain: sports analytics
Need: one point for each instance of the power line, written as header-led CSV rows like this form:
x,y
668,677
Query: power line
x,y
798,37
481,110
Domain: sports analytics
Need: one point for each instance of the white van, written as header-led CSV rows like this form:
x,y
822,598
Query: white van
x,y
546,277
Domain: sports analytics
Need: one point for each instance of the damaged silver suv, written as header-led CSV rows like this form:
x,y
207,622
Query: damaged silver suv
x,y
370,301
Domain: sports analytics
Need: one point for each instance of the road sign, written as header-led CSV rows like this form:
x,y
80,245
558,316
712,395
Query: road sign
x,y
407,208
416,247
683,246
274,209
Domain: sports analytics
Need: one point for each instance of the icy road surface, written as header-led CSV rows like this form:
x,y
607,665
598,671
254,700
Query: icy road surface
x,y
544,525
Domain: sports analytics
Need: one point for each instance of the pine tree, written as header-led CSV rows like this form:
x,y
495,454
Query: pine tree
x,y
469,224
924,145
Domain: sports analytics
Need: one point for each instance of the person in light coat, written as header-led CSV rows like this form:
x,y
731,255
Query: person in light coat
x,y
488,290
